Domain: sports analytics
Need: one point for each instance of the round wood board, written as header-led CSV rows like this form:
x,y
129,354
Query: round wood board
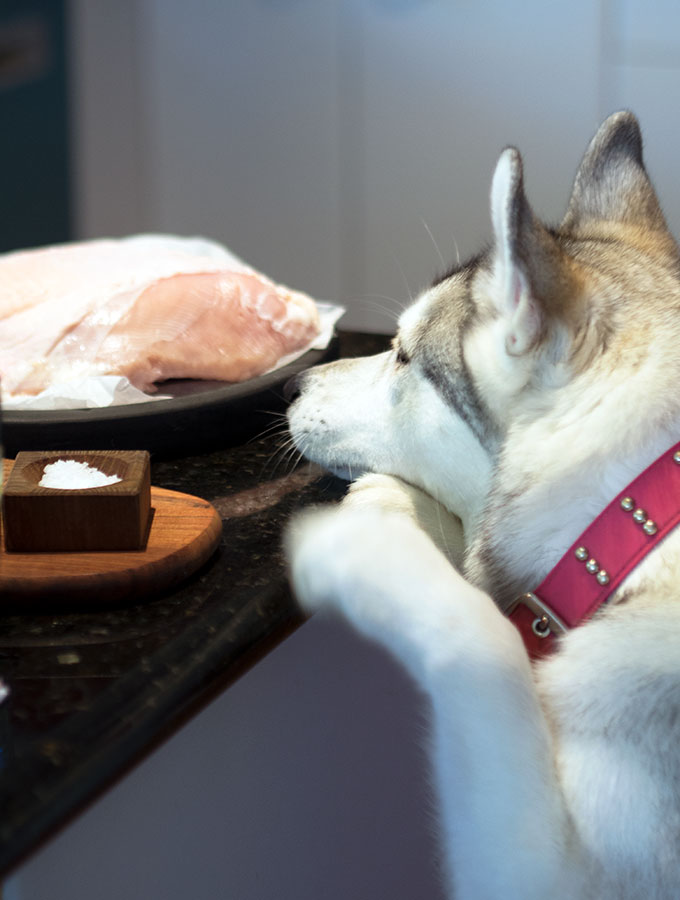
x,y
184,532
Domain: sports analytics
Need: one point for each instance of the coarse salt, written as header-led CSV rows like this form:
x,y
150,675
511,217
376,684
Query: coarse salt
x,y
70,474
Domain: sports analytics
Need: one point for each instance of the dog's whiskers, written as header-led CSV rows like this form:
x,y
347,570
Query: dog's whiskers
x,y
286,455
392,308
279,423
435,244
399,266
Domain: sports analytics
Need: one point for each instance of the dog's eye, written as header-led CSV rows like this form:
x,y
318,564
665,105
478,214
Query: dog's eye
x,y
402,357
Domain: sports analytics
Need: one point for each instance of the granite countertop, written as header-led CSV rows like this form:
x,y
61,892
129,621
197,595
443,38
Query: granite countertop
x,y
92,691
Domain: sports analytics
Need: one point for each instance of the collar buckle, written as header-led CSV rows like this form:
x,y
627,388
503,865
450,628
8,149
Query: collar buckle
x,y
546,622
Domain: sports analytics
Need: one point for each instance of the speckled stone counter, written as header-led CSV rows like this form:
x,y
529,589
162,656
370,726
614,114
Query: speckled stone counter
x,y
92,691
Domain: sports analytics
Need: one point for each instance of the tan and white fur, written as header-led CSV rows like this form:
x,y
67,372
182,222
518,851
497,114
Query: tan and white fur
x,y
524,390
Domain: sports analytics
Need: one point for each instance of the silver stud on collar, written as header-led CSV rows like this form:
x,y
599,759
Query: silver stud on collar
x,y
627,504
592,565
676,457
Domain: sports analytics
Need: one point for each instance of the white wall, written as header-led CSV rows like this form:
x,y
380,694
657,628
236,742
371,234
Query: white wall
x,y
108,133
213,118
641,71
346,146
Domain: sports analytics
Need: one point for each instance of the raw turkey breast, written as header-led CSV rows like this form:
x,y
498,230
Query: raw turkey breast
x,y
150,307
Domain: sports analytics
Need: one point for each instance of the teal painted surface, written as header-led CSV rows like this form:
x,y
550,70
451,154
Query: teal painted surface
x,y
35,195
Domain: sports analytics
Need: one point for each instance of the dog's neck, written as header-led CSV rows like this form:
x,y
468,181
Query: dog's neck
x,y
529,521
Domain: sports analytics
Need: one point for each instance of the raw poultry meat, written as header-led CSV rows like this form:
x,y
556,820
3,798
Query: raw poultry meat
x,y
151,307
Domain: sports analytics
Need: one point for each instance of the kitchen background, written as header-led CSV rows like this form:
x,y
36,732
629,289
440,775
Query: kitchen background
x,y
344,147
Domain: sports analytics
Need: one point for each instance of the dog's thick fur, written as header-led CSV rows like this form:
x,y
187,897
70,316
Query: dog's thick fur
x,y
524,391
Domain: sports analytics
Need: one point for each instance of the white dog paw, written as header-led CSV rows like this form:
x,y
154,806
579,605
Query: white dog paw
x,y
383,573
391,494
340,554
386,492
333,552
308,547
380,571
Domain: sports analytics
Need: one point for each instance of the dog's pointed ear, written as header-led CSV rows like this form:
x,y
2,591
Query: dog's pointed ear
x,y
612,184
527,259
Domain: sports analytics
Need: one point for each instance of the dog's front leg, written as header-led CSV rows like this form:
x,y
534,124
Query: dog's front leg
x,y
506,833
387,493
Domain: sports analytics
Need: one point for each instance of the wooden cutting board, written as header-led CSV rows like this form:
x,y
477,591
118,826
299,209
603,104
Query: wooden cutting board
x,y
185,531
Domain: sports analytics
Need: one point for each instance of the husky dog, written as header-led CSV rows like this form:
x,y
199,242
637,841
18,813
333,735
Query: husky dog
x,y
523,391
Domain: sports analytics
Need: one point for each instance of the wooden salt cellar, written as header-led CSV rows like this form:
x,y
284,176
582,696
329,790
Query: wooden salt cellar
x,y
114,517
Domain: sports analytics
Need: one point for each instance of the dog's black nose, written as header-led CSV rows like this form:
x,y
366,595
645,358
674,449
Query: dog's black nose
x,y
292,387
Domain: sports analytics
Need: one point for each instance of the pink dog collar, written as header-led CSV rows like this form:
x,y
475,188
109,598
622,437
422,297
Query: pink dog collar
x,y
607,551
